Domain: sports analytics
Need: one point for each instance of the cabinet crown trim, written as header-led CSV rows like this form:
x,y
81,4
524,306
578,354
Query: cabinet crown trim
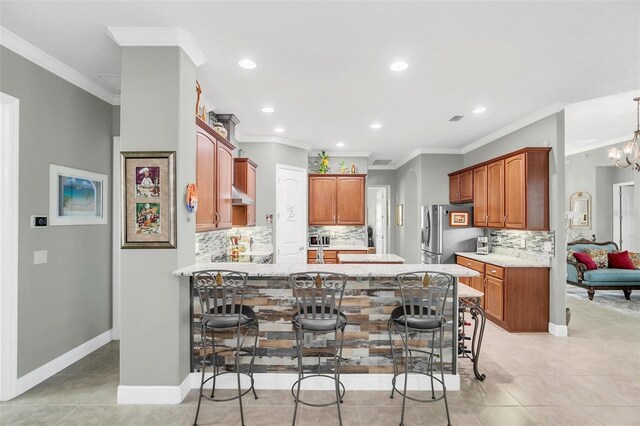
x,y
217,136
502,157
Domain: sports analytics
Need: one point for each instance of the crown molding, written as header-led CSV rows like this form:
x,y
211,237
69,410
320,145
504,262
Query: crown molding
x,y
272,139
365,154
420,151
53,65
158,36
516,125
585,148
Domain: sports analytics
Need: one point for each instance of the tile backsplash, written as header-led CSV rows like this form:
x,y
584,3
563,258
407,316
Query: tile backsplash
x,y
540,245
216,244
342,235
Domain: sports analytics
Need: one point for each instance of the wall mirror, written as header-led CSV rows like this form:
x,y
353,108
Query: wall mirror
x,y
580,210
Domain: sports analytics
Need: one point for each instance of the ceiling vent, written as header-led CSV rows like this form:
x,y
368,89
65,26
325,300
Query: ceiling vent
x,y
456,118
381,162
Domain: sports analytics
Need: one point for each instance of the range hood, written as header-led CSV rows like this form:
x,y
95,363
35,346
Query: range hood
x,y
239,198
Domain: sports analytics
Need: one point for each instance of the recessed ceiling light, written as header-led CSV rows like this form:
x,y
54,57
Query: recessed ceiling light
x,y
247,64
340,144
278,130
479,109
375,125
268,110
399,66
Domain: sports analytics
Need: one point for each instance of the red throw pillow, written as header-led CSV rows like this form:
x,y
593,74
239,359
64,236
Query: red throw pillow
x,y
620,260
585,259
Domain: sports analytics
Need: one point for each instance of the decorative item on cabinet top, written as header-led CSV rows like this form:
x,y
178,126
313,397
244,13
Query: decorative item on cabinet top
x,y
191,198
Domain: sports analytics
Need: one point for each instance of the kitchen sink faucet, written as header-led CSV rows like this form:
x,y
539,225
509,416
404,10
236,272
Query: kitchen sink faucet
x,y
320,250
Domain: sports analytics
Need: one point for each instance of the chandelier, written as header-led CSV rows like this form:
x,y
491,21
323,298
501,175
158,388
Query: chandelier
x,y
630,150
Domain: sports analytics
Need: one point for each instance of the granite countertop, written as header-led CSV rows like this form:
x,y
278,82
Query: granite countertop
x,y
341,247
370,258
503,260
464,291
352,270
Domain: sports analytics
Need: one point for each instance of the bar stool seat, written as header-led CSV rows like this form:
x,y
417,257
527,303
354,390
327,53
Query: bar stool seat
x,y
215,320
319,324
425,323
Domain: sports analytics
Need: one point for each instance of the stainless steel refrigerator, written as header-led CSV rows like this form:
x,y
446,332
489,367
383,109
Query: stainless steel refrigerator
x,y
439,240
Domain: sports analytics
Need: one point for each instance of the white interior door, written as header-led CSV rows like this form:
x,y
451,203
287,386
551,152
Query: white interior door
x,y
377,199
291,215
624,227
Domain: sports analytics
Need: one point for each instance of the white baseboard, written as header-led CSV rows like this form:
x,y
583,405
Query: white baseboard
x,y
558,330
58,364
154,394
350,381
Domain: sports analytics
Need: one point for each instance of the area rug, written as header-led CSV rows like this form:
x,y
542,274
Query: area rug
x,y
609,299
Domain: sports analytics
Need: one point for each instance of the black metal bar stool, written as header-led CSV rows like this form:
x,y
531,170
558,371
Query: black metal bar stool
x,y
221,295
318,310
424,295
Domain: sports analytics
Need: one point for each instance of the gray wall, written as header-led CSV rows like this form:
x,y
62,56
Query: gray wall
x,y
592,172
549,131
154,345
361,163
67,301
435,180
266,155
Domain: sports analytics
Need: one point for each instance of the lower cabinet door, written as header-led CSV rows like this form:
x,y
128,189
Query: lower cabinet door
x,y
494,298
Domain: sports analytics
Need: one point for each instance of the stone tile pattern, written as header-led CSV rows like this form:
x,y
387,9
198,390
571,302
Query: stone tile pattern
x,y
510,244
215,245
367,305
342,235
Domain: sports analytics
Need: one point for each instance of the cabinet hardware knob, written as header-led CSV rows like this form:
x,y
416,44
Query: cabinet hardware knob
x,y
493,271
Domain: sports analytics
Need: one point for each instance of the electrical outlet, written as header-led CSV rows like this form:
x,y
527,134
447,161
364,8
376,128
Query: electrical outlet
x,y
308,339
523,243
547,246
39,256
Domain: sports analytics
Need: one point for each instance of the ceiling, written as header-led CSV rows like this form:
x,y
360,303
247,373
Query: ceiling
x,y
324,66
600,122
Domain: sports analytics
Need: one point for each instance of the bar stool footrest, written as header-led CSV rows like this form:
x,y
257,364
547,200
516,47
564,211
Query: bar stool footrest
x,y
313,376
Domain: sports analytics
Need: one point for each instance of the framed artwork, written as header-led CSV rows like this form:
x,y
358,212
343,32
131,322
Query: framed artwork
x,y
77,197
459,218
148,199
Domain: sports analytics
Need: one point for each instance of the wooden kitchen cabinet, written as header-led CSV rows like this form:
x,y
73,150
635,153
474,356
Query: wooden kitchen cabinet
x,y
336,199
516,299
330,256
495,194
350,203
214,177
461,187
517,190
244,179
494,297
480,193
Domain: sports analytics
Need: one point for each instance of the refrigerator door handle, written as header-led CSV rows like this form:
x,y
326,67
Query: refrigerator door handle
x,y
428,229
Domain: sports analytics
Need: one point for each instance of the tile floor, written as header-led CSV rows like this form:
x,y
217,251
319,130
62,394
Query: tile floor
x,y
590,378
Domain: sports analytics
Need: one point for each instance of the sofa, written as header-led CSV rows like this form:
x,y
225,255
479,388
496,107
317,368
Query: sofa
x,y
600,279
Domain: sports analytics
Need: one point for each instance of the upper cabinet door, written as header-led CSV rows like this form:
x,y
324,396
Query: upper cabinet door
x,y
322,200
515,193
225,180
454,188
495,194
206,181
251,192
350,204
466,186
480,212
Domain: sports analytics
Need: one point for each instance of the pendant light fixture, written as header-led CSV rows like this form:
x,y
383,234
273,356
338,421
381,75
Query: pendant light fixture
x,y
629,155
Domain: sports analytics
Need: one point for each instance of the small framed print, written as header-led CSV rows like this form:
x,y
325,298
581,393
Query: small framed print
x,y
148,199
77,197
459,218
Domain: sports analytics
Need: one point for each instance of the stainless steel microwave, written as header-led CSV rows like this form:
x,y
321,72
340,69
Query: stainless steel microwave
x,y
313,241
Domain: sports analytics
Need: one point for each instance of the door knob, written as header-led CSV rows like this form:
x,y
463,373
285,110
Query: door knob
x,y
301,248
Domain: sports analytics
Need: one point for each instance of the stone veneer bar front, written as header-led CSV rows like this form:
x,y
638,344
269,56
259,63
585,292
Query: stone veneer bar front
x,y
370,296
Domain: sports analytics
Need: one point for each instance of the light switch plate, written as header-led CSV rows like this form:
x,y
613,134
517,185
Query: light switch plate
x,y
547,246
39,257
523,243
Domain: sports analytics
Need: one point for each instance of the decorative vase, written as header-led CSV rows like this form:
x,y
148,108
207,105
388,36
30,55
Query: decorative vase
x,y
219,128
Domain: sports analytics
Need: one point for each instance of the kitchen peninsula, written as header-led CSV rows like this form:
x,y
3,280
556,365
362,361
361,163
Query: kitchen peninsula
x,y
370,296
